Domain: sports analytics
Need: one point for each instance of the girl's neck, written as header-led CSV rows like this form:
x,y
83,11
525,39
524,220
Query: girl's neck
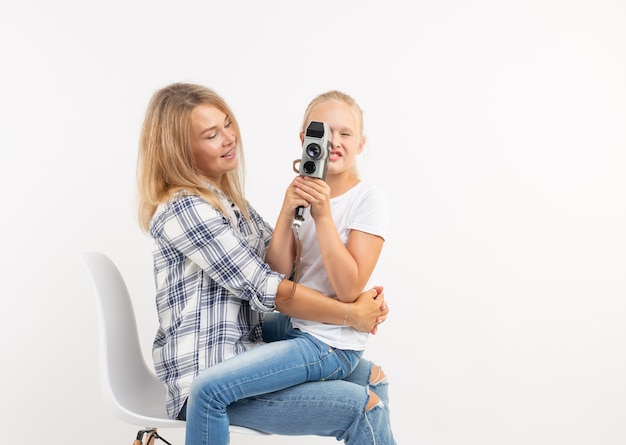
x,y
341,183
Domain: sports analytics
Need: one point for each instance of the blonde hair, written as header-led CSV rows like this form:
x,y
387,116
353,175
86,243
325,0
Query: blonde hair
x,y
166,164
335,95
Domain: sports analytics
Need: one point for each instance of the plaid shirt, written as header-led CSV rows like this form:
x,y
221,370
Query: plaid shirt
x,y
212,285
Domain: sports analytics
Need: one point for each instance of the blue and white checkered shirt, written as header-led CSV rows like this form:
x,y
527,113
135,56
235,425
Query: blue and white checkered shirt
x,y
212,285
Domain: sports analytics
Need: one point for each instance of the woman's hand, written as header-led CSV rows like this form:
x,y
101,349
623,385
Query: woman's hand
x,y
368,311
292,200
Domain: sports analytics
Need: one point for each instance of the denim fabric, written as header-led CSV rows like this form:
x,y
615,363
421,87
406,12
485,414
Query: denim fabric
x,y
333,409
275,326
261,370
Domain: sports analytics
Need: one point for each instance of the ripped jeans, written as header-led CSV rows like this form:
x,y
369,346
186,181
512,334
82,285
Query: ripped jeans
x,y
335,408
263,369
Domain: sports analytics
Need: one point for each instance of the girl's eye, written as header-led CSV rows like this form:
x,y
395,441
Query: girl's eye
x,y
228,124
211,136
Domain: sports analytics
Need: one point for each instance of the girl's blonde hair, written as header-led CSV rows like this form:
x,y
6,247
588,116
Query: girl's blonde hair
x,y
335,95
166,163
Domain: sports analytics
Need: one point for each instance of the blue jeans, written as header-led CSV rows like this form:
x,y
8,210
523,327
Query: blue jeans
x,y
263,369
333,409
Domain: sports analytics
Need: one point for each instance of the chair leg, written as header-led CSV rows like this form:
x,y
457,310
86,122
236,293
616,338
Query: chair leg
x,y
148,436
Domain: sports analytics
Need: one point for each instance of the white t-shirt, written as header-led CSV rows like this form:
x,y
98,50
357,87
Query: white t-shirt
x,y
365,208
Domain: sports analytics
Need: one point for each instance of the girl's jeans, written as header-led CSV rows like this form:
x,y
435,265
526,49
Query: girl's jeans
x,y
335,409
261,370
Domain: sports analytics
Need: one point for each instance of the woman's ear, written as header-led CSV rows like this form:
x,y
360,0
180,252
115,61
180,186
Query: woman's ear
x,y
302,137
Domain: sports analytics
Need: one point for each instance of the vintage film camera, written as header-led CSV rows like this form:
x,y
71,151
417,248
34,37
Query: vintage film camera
x,y
316,150
315,153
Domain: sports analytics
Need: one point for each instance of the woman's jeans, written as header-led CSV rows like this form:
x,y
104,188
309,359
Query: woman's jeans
x,y
261,370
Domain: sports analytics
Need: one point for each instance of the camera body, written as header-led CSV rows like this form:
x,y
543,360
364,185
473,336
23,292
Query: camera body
x,y
316,150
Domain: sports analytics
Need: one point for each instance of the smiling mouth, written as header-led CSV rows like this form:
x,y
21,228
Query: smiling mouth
x,y
229,154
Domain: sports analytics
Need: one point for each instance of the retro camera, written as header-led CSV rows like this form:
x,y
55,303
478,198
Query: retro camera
x,y
316,150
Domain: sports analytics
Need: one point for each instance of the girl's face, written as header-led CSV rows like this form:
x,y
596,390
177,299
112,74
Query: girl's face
x,y
214,142
347,141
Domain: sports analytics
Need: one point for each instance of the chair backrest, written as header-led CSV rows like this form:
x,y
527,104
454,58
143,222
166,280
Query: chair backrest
x,y
130,388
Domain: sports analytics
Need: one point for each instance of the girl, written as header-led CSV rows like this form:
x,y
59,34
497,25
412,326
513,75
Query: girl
x,y
343,231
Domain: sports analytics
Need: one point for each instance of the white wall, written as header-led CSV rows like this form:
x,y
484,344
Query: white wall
x,y
497,128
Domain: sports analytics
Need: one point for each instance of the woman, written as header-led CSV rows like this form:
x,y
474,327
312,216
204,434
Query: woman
x,y
212,283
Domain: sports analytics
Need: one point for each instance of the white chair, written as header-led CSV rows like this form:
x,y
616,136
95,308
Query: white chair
x,y
131,390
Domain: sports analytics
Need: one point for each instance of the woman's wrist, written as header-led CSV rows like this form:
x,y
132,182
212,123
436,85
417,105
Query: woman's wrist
x,y
345,318
365,311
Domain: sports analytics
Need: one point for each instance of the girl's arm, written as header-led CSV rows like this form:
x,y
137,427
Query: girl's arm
x,y
348,266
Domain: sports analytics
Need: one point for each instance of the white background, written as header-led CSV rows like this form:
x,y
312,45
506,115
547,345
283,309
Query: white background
x,y
496,127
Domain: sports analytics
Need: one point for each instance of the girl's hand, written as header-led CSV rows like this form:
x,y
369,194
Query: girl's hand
x,y
316,192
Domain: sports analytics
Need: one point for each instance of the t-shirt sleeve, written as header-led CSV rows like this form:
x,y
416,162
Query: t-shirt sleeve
x,y
373,212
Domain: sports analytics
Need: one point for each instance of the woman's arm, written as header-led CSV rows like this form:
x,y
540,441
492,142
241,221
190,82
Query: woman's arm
x,y
364,314
281,252
249,277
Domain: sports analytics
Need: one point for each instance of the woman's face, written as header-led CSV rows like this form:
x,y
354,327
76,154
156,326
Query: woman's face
x,y
214,142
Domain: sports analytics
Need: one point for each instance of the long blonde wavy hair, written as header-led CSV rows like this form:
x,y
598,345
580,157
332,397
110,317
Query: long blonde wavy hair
x,y
166,164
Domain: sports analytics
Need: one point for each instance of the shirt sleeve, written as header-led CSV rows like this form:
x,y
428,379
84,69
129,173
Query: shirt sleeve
x,y
201,233
373,213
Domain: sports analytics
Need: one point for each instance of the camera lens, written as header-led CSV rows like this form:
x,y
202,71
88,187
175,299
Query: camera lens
x,y
313,151
309,167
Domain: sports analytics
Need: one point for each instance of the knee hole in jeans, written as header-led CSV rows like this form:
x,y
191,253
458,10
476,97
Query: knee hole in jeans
x,y
377,376
372,401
